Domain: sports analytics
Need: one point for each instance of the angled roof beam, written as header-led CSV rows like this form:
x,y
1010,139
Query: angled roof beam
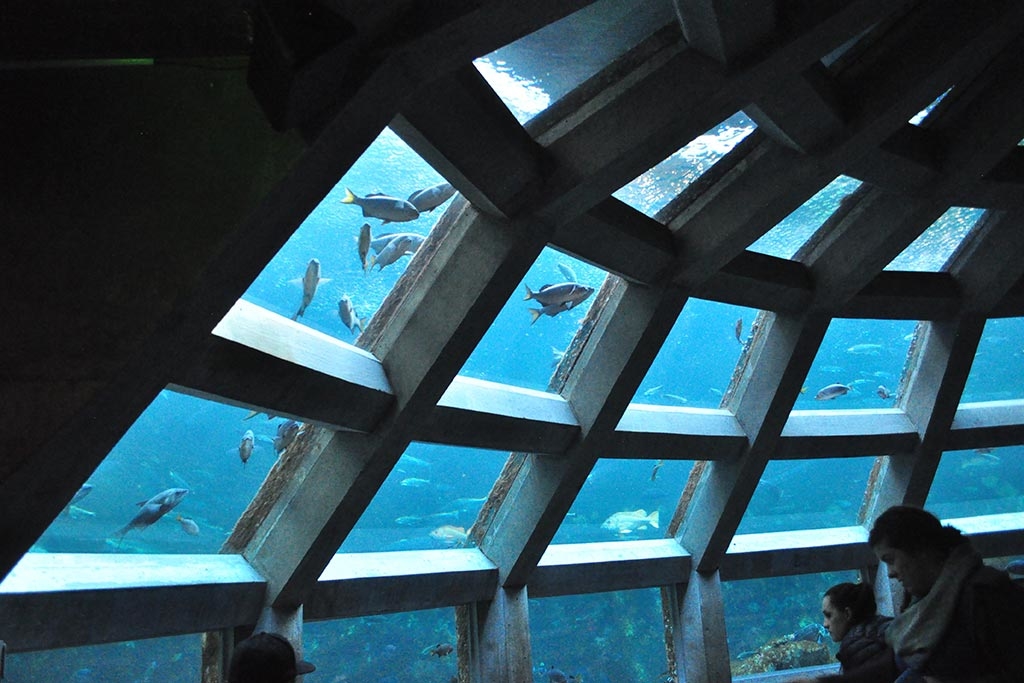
x,y
726,30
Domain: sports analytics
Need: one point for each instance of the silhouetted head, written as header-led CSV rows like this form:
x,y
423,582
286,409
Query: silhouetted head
x,y
845,605
266,658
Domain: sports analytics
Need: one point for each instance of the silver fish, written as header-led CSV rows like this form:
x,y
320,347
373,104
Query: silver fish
x,y
246,446
381,241
309,284
365,238
83,491
431,197
381,206
568,293
394,250
569,273
188,525
286,433
883,391
628,521
831,391
348,316
153,509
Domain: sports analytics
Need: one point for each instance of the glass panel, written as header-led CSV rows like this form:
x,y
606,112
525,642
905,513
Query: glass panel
x,y
599,637
790,234
625,500
429,500
932,249
984,481
178,443
858,365
761,611
654,189
920,116
386,648
695,364
998,363
807,494
168,660
542,67
534,328
292,286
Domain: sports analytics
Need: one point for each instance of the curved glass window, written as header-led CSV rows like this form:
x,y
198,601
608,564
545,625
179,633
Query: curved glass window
x,y
983,481
858,365
179,443
625,500
998,363
807,494
430,500
786,238
386,648
330,236
932,249
528,337
651,191
599,637
694,365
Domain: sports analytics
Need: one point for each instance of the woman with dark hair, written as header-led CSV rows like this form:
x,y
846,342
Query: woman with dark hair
x,y
962,621
849,612
851,619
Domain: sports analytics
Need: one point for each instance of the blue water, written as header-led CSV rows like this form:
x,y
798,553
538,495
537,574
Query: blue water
x,y
183,441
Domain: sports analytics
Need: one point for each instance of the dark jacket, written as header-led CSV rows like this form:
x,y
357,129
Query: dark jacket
x,y
983,643
863,643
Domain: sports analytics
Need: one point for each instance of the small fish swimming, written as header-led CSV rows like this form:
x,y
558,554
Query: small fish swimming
x,y
738,330
552,310
153,509
432,197
414,482
831,391
246,446
310,281
439,650
388,209
347,313
188,525
630,520
286,433
657,467
865,349
449,535
364,243
883,392
569,293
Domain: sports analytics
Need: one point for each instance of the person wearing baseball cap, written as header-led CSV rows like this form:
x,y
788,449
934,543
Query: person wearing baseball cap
x,y
266,658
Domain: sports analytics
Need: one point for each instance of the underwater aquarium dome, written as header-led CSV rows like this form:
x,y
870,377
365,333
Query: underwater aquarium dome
x,y
497,341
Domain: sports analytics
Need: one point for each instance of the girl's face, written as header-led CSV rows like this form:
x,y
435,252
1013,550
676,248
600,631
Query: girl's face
x,y
837,621
916,571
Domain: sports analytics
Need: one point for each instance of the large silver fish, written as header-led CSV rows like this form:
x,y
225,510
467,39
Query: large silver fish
x,y
388,209
310,281
365,238
347,313
414,241
153,509
432,197
286,433
246,446
394,250
628,521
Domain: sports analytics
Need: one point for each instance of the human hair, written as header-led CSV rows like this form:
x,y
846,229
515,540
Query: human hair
x,y
859,598
913,530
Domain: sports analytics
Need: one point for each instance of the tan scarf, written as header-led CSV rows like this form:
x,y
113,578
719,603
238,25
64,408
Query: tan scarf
x,y
916,632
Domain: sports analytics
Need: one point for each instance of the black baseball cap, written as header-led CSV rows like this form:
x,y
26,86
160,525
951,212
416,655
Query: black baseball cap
x,y
266,657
